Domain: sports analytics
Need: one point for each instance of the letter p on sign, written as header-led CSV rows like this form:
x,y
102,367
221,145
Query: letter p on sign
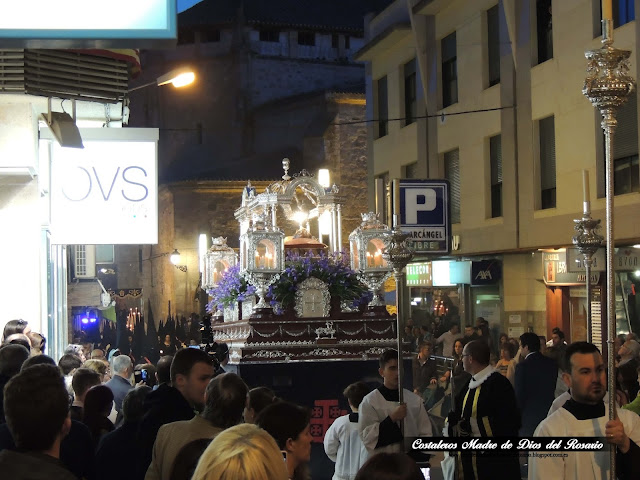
x,y
418,200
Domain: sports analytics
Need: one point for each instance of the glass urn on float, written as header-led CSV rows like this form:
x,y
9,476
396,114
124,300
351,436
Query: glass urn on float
x,y
366,245
261,260
217,260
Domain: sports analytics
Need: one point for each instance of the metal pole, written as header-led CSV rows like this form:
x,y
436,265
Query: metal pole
x,y
587,269
397,254
607,86
609,124
399,277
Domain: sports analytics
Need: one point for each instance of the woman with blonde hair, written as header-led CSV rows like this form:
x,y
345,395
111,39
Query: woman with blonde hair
x,y
242,452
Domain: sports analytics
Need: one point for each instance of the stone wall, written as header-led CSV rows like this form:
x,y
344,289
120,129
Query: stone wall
x,y
345,144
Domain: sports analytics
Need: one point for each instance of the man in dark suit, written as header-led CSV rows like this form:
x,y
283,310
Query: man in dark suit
x,y
485,407
535,383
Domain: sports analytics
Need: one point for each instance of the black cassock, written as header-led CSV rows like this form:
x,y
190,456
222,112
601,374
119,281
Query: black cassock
x,y
488,410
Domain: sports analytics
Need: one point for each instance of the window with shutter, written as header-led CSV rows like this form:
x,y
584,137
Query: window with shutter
x,y
411,170
452,174
495,160
85,261
546,129
493,45
410,93
382,197
626,173
545,30
382,108
449,70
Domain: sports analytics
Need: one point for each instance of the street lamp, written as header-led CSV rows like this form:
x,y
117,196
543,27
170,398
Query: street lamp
x,y
179,77
175,259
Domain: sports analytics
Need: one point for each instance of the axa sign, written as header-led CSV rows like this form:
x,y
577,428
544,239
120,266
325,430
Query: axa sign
x,y
485,272
106,193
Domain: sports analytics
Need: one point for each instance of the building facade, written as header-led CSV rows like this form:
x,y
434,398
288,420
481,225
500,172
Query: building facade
x,y
274,80
487,94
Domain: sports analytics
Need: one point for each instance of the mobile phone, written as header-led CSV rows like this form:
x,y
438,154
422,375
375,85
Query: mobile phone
x,y
144,374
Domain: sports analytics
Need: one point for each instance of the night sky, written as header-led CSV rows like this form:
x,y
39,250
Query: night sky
x,y
184,4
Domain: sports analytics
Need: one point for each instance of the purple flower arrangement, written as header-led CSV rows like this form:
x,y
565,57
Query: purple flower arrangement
x,y
232,288
333,269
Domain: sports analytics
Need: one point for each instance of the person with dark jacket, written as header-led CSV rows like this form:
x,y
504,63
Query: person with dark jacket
x,y
37,411
425,369
122,444
97,406
191,371
535,383
11,359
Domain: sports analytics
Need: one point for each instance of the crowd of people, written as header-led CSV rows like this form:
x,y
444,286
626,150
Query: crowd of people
x,y
529,387
96,415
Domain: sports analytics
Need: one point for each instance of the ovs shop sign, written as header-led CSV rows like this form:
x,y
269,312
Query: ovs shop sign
x,y
105,194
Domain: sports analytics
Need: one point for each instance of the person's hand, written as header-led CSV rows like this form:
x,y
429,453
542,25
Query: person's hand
x,y
433,381
614,431
399,412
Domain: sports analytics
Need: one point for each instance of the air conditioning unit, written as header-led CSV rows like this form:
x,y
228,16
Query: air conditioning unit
x,y
85,261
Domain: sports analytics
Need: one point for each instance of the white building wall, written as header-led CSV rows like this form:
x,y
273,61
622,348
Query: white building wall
x,y
24,207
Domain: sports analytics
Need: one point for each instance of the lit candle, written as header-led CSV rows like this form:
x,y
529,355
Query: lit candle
x,y
269,258
585,192
368,259
377,258
215,276
607,10
257,260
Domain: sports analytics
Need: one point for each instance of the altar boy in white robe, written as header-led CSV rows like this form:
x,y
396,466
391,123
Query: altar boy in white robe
x,y
586,415
381,414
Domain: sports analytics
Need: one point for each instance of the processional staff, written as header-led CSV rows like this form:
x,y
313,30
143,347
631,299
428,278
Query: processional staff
x,y
608,85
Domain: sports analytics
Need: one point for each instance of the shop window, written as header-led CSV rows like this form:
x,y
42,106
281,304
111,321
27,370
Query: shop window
x,y
493,45
546,129
452,174
449,70
495,160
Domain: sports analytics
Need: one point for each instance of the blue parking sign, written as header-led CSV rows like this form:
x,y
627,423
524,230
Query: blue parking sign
x,y
424,213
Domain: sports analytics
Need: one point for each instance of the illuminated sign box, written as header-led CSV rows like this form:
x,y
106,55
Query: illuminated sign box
x,y
107,192
88,24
